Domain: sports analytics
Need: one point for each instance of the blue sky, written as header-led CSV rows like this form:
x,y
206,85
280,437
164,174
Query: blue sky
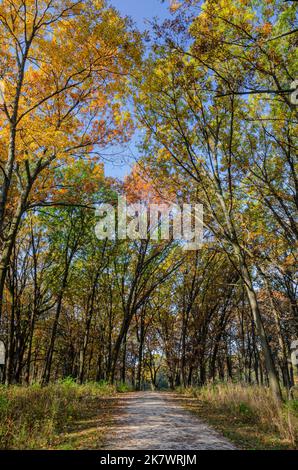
x,y
121,158
140,10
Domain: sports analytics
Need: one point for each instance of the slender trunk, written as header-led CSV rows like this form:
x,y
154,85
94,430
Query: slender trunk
x,y
183,347
118,344
140,355
85,342
272,374
123,369
7,246
49,357
10,351
281,341
32,324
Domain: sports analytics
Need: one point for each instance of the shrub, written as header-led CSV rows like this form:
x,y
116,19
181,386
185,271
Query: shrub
x,y
123,388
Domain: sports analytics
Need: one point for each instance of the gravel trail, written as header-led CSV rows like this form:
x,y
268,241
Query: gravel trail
x,y
158,421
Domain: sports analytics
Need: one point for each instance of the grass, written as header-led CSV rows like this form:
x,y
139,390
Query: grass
x,y
69,416
63,415
247,415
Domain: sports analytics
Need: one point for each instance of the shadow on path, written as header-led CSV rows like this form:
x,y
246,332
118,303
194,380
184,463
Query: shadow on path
x,y
157,421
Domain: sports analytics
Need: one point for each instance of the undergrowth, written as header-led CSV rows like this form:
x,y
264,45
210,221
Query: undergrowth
x,y
31,417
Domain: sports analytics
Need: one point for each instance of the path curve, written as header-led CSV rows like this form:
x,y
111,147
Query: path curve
x,y
157,421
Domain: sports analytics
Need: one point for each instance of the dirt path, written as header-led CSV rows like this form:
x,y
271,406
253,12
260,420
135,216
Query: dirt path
x,y
157,421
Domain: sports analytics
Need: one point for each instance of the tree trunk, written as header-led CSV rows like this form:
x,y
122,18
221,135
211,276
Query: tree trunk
x,y
272,375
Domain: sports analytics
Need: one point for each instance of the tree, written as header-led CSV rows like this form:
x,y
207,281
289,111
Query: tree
x,y
56,109
208,138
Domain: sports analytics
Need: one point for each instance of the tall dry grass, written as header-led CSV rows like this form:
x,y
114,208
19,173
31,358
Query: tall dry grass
x,y
31,417
254,405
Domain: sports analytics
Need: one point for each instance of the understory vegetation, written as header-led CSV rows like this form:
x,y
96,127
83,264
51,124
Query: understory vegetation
x,y
38,417
247,414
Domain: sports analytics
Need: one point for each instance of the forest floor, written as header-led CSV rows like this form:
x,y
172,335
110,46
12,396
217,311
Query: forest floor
x,y
158,421
89,431
247,416
169,421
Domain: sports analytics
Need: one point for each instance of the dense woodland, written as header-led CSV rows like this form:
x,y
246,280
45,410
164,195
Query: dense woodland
x,y
211,93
